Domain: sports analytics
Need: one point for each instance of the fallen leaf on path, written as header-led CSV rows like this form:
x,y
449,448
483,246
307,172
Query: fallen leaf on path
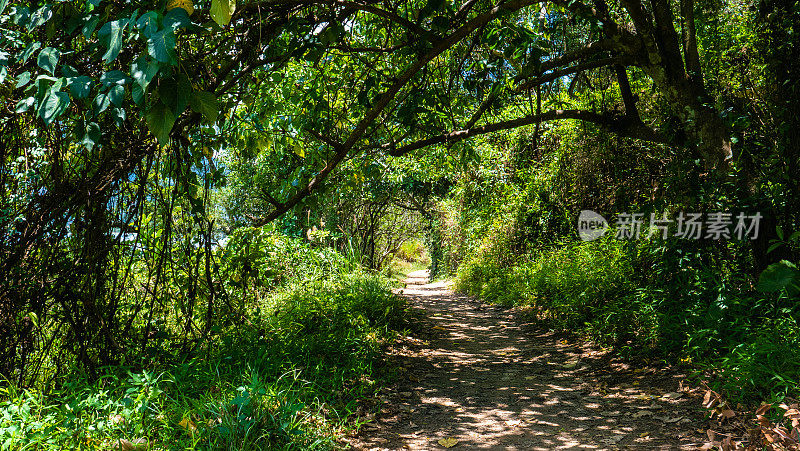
x,y
569,366
672,395
448,442
439,328
644,434
530,378
513,423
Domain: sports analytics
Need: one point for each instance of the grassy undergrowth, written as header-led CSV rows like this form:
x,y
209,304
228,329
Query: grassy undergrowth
x,y
287,373
656,299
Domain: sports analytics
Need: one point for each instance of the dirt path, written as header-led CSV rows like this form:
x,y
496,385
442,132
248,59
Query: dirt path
x,y
477,374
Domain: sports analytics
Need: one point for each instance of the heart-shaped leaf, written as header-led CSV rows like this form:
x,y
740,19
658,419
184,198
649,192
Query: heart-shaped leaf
x,y
161,46
48,59
53,105
222,10
206,104
160,120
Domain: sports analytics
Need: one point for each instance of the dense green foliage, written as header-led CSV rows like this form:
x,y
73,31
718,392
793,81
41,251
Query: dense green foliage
x,y
511,237
287,374
196,197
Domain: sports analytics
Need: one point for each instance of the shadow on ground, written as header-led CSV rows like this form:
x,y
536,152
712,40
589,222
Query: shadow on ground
x,y
479,375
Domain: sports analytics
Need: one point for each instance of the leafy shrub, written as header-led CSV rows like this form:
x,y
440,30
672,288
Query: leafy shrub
x,y
262,259
286,376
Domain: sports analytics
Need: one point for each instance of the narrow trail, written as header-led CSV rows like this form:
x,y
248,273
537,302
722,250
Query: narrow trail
x,y
479,375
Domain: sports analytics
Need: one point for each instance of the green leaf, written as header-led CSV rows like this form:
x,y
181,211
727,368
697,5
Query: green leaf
x,y
779,276
206,104
23,79
40,17
3,4
143,71
3,66
222,10
137,94
175,92
53,105
20,15
80,87
148,23
24,105
161,46
34,318
89,26
110,35
119,116
774,246
117,95
25,54
91,135
113,77
183,94
160,120
329,35
177,18
100,103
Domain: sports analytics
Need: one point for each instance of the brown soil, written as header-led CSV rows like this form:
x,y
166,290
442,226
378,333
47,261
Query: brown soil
x,y
480,375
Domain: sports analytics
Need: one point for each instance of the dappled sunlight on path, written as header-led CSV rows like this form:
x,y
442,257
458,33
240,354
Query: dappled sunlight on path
x,y
478,374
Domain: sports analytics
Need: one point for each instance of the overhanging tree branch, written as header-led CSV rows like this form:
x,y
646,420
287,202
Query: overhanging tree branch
x,y
341,151
530,84
617,124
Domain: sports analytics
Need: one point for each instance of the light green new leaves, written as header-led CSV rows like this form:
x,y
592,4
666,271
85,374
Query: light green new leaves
x,y
160,120
222,10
